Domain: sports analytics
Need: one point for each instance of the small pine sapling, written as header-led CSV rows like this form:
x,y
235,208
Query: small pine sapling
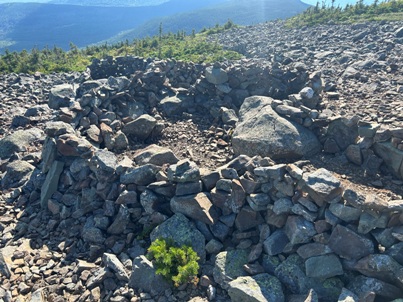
x,y
177,264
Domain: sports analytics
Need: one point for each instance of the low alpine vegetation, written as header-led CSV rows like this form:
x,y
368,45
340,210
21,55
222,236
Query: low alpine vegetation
x,y
180,46
390,10
176,264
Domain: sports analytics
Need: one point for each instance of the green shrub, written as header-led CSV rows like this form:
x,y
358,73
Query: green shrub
x,y
176,264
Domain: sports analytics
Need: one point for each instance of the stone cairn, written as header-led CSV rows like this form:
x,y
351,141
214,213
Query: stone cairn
x,y
264,229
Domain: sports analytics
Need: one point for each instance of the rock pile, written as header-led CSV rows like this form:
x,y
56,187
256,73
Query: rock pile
x,y
89,177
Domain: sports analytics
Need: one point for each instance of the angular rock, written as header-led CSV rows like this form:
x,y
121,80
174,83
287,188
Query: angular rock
x,y
197,207
155,155
141,127
181,231
17,173
51,182
261,131
313,249
392,157
112,262
229,266
188,188
144,277
215,75
18,141
362,285
143,175
184,171
344,131
347,296
172,106
259,288
323,267
299,230
238,196
353,153
292,276
322,186
121,220
258,202
382,267
60,96
276,242
348,244
346,213
247,218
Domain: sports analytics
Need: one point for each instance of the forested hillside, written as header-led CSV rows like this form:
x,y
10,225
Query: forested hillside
x,y
242,12
28,25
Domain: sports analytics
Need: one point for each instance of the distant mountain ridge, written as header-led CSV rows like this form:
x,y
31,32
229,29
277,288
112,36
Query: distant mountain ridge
x,y
241,12
28,25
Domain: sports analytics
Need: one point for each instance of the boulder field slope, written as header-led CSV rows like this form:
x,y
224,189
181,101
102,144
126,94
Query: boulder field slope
x,y
282,170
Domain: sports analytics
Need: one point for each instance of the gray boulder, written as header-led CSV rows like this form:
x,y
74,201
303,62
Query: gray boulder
x,y
60,96
155,155
216,76
229,266
393,157
261,131
141,127
198,207
17,173
18,141
323,267
182,232
144,277
172,106
259,288
322,186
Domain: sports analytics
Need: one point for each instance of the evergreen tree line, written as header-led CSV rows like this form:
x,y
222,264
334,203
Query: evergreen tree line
x,y
324,12
181,46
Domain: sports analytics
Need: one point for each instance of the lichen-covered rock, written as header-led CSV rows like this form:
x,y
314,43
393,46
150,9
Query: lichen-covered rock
x,y
181,231
229,266
258,288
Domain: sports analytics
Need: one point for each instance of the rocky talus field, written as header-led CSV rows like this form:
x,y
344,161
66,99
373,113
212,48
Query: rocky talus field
x,y
283,171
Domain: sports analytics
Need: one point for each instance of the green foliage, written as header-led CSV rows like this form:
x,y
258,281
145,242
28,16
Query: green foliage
x,y
176,264
217,28
177,46
390,10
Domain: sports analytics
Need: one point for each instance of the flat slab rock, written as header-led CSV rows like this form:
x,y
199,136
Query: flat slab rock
x,y
261,131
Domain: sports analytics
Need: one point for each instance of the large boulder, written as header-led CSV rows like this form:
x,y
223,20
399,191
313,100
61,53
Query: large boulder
x,y
141,127
60,96
262,287
19,141
17,173
393,157
215,75
261,131
181,231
